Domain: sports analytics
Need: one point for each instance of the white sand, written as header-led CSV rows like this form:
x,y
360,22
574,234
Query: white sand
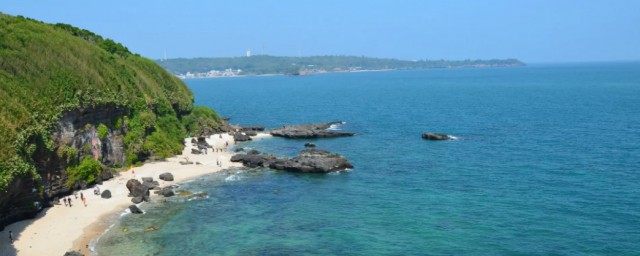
x,y
59,229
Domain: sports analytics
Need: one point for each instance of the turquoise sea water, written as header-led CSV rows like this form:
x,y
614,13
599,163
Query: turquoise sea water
x,y
547,163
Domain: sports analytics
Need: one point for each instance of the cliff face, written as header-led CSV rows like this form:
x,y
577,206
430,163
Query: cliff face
x,y
76,129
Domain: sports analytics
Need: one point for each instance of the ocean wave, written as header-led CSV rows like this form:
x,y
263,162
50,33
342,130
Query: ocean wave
x,y
232,177
336,127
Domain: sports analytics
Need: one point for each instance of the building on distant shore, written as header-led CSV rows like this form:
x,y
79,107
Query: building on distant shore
x,y
249,53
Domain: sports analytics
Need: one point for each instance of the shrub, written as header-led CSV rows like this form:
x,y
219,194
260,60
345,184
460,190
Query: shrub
x,y
102,131
87,171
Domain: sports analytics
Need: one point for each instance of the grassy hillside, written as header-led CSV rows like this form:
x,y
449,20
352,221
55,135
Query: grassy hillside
x,y
264,64
47,69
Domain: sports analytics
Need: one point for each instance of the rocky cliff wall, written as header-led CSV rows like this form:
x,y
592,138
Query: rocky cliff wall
x,y
24,198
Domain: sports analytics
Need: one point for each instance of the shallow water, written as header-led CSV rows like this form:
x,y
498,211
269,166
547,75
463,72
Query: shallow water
x,y
547,162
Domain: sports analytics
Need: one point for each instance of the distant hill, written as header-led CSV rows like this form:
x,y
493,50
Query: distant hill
x,y
265,64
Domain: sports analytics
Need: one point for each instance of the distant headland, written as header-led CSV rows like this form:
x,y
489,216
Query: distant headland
x,y
279,65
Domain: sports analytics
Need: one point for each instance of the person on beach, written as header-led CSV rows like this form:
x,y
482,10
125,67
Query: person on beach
x,y
65,201
81,196
69,199
84,201
133,172
75,193
11,236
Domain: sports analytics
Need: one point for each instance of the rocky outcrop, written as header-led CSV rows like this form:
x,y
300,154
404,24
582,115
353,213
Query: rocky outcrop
x,y
436,136
167,192
137,190
310,145
308,161
252,128
309,131
135,210
238,136
167,176
149,182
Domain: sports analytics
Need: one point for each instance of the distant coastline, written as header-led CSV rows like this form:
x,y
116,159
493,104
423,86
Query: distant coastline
x,y
264,65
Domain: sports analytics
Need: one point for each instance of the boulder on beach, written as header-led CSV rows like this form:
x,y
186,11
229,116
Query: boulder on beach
x,y
136,189
196,151
106,194
319,130
73,253
241,137
134,209
436,136
167,176
238,150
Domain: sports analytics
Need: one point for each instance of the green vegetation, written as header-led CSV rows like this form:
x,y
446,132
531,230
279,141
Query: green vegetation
x,y
200,119
264,64
47,70
87,171
102,131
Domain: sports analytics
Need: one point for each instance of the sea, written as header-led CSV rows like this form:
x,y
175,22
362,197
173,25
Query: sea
x,y
546,161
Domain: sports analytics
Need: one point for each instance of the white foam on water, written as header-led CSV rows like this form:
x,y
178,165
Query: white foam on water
x,y
232,177
335,127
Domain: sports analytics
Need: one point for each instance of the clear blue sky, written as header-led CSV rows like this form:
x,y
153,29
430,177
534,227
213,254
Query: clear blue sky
x,y
533,31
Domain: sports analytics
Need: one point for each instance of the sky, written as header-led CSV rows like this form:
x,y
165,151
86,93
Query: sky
x,y
534,31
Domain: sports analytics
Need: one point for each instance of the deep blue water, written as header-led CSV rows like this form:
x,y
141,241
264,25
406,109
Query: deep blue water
x,y
547,163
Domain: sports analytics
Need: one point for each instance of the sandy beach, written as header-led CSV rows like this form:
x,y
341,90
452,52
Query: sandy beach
x,y
59,229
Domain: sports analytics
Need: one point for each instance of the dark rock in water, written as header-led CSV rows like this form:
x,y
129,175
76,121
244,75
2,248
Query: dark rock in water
x,y
73,253
137,200
167,192
309,160
254,160
251,133
241,137
436,136
251,128
196,151
134,209
309,131
253,152
167,176
310,145
238,150
106,194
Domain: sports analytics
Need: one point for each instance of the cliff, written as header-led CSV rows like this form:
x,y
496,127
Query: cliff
x,y
76,108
